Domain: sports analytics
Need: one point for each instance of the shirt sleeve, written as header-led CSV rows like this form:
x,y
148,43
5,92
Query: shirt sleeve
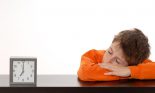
x,y
89,69
143,71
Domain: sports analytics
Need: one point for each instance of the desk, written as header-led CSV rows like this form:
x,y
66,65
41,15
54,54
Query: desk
x,y
71,84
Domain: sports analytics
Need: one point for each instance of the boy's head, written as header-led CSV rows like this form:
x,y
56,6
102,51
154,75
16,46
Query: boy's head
x,y
129,47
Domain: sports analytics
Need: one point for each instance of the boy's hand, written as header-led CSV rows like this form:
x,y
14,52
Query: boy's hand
x,y
115,69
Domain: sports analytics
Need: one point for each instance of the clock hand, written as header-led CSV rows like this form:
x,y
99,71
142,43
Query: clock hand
x,y
23,66
21,73
22,69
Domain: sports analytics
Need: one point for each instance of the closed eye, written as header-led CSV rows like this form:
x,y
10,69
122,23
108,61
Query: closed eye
x,y
117,61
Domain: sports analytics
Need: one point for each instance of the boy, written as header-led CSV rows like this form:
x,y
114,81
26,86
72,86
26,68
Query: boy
x,y
126,58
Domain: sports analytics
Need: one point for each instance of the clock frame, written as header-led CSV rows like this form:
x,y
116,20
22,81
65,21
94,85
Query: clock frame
x,y
23,84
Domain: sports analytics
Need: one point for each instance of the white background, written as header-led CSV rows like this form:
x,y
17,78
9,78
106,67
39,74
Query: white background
x,y
58,32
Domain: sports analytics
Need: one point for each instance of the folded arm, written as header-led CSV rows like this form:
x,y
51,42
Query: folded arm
x,y
90,70
143,71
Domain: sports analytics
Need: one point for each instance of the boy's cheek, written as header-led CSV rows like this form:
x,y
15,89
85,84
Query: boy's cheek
x,y
105,58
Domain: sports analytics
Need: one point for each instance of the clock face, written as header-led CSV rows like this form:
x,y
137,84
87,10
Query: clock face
x,y
23,71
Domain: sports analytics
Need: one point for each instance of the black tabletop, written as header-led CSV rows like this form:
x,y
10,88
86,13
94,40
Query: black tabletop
x,y
71,83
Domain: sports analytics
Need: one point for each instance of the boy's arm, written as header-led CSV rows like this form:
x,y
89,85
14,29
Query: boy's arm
x,y
143,71
90,70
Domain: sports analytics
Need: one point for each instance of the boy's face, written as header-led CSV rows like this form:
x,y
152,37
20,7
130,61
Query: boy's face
x,y
114,54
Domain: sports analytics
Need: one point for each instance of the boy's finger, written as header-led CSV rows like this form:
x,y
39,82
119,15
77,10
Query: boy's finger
x,y
109,73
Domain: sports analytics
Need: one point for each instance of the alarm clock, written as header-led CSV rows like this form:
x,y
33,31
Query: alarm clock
x,y
23,71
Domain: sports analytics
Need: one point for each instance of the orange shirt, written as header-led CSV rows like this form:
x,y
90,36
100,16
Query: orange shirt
x,y
89,69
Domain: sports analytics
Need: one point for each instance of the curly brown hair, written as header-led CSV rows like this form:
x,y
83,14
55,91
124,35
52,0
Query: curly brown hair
x,y
134,45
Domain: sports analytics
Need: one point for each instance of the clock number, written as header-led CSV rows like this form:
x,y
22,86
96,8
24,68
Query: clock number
x,y
32,71
31,75
31,66
15,66
27,78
